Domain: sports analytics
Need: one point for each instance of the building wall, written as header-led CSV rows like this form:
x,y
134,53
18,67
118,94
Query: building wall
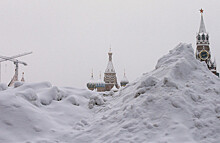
x,y
110,80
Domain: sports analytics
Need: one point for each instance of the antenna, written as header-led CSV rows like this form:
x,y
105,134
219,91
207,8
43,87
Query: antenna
x,y
110,49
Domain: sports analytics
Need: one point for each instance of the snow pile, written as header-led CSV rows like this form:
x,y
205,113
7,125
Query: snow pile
x,y
178,102
18,83
40,112
3,86
95,99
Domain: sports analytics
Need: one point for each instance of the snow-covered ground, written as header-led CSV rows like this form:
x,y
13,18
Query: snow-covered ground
x,y
178,102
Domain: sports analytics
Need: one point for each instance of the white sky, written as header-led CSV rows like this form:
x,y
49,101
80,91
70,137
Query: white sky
x,y
70,37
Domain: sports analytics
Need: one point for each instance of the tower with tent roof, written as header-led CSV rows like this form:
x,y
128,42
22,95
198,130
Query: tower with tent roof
x,y
203,52
110,78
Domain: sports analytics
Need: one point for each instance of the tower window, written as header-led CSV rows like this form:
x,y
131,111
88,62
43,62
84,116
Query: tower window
x,y
203,36
199,37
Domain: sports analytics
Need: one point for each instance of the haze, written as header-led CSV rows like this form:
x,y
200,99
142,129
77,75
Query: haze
x,y
69,38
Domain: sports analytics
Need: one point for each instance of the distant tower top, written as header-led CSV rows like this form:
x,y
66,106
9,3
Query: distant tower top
x,y
22,79
202,24
124,80
92,74
110,49
202,42
110,78
110,67
201,10
110,54
203,52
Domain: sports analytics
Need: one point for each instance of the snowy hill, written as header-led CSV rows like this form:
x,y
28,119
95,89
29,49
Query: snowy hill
x,y
41,112
178,102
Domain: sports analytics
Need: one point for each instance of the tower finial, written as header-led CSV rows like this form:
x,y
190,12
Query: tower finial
x,y
110,53
201,11
124,72
202,24
100,76
110,49
92,73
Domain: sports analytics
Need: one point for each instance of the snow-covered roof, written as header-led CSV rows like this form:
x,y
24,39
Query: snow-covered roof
x,y
110,68
202,26
114,88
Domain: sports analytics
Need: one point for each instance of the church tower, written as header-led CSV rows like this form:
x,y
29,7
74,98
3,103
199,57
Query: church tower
x,y
203,52
110,78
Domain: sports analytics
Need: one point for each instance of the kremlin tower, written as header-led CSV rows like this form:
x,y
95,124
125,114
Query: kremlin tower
x,y
203,52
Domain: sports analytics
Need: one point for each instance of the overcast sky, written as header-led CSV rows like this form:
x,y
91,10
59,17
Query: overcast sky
x,y
70,37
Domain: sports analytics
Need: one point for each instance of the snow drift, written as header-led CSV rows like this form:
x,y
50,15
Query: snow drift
x,y
178,102
40,112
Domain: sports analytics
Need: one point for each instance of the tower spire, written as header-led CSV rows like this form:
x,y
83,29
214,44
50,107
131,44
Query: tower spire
x,y
110,54
124,80
202,24
100,75
214,63
110,49
203,52
92,73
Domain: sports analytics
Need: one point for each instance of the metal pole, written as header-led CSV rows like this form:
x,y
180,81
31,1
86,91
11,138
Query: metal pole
x,y
0,73
16,71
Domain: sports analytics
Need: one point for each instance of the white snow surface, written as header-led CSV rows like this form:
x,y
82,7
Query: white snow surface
x,y
178,102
